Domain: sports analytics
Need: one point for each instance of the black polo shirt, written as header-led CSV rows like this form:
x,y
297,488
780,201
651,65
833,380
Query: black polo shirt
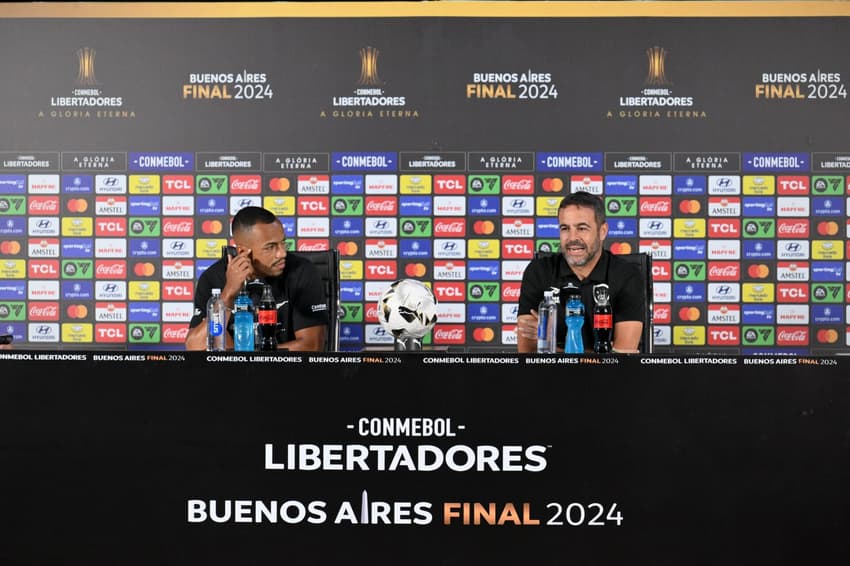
x,y
551,270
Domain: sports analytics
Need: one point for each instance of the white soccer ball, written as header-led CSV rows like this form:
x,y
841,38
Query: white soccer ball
x,y
407,309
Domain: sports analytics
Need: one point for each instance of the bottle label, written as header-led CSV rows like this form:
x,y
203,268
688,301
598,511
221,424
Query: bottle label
x,y
267,317
603,321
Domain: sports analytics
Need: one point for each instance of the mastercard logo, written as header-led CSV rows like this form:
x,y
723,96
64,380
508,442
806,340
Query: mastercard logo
x,y
144,269
552,185
347,248
484,227
621,248
827,336
758,271
77,311
689,206
415,269
77,205
10,247
212,227
279,184
483,334
689,314
829,228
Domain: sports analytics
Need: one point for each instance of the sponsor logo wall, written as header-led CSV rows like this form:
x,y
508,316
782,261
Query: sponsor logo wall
x,y
101,246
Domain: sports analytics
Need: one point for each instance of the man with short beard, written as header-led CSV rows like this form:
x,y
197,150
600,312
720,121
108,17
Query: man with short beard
x,y
582,263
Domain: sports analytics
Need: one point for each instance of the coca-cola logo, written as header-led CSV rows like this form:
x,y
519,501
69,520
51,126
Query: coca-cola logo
x,y
172,227
450,228
383,206
723,272
247,184
448,335
312,246
110,270
44,311
655,207
796,336
175,333
517,184
44,205
800,228
510,293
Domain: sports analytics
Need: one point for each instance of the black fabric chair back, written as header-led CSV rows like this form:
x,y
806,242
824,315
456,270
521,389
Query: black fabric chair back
x,y
644,263
327,262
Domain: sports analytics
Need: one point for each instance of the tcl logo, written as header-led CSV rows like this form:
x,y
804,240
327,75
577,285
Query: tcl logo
x,y
724,228
382,270
314,206
723,335
178,184
110,226
450,184
792,292
517,249
661,271
43,269
110,332
449,291
177,290
792,185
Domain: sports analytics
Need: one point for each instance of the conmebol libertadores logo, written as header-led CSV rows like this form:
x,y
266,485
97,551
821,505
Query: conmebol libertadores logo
x,y
369,99
656,100
87,99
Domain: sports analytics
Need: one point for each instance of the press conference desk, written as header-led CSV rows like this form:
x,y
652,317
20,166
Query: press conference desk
x,y
422,458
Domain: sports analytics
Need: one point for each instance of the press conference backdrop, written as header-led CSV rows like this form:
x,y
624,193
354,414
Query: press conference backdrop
x,y
427,140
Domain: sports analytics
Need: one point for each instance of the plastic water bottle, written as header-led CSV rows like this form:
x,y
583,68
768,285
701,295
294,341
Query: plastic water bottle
x,y
547,321
243,322
267,320
603,319
574,344
216,316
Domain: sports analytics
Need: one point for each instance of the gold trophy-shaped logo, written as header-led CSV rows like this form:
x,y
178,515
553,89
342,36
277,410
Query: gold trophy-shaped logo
x,y
85,67
655,75
369,67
